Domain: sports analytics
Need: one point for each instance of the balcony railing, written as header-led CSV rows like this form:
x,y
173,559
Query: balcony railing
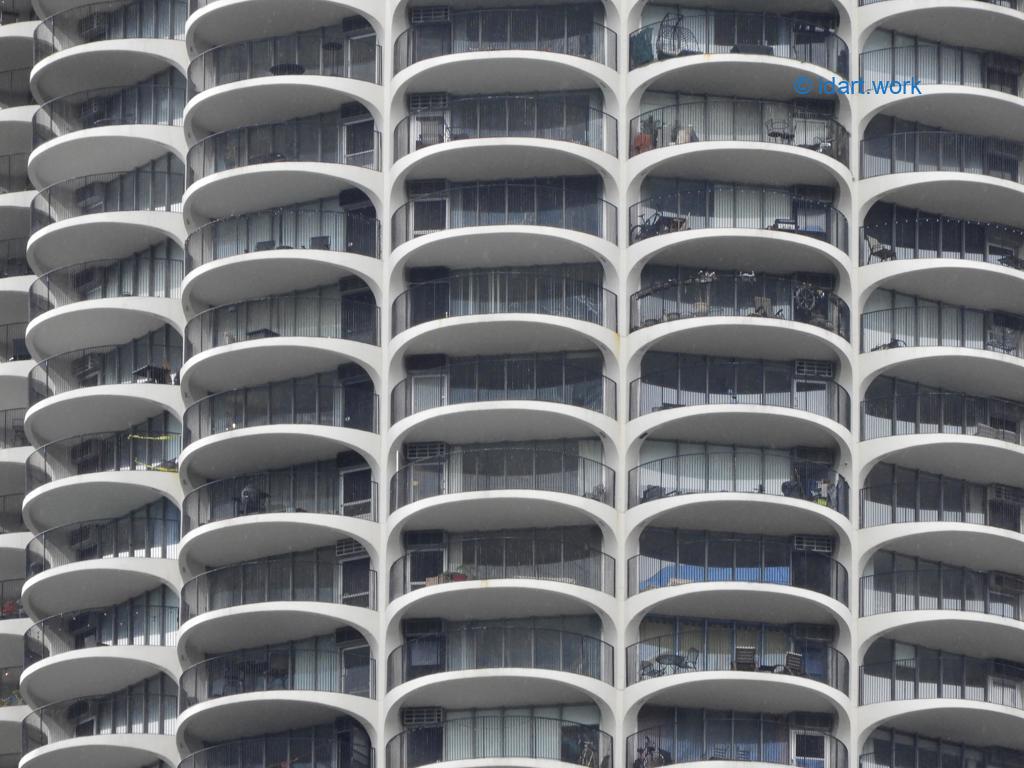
x,y
476,470
139,190
770,122
469,382
267,670
766,385
149,714
512,558
490,737
115,626
941,325
12,343
501,648
279,404
118,20
12,428
944,588
940,64
691,33
108,537
941,151
103,452
709,294
741,740
950,413
10,695
14,90
503,205
522,117
284,229
942,237
132,105
14,174
11,520
1014,5
328,52
105,279
315,317
302,490
663,656
508,292
770,209
940,675
937,499
330,752
307,140
280,579
804,570
508,29
758,472
10,599
103,366
13,262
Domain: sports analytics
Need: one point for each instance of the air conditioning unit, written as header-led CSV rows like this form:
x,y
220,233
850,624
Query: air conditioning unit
x,y
805,543
413,717
94,27
85,450
348,548
424,539
428,102
1006,494
90,195
417,451
430,14
817,369
421,627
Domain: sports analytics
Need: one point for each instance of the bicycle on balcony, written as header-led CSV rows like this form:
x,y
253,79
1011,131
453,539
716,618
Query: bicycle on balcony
x,y
657,223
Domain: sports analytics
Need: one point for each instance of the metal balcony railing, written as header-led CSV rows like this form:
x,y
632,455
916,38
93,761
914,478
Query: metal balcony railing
x,y
515,558
104,538
13,262
10,693
134,277
14,89
511,292
314,317
280,403
550,30
802,569
126,105
941,151
103,366
942,588
940,675
770,473
287,579
940,64
474,470
14,174
128,451
328,52
663,656
509,204
1014,5
288,669
766,122
691,33
150,714
942,325
502,648
472,381
523,117
10,599
282,750
12,343
118,20
942,237
950,413
11,520
745,382
489,737
114,626
709,294
305,489
283,229
12,428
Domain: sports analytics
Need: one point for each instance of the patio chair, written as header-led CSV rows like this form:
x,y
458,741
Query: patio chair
x,y
781,130
878,250
745,659
674,39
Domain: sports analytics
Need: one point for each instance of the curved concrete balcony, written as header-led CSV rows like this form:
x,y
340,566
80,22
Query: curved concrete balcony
x,y
268,750
275,424
277,600
980,177
281,249
744,490
276,336
80,652
269,165
518,579
263,513
103,302
957,608
87,132
84,219
256,80
107,42
264,690
73,730
517,741
775,744
945,693
538,487
993,25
